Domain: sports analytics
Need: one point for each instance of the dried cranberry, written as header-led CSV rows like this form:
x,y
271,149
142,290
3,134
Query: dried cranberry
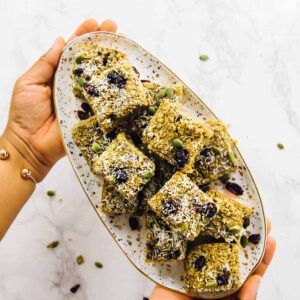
x,y
82,115
173,254
117,79
199,263
111,135
91,89
222,279
208,210
246,222
121,175
254,238
205,152
105,59
78,71
86,107
181,157
75,288
204,187
134,223
234,188
169,207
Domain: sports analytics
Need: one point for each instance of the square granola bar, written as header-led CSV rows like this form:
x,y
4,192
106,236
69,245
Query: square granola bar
x,y
112,203
163,244
212,268
183,206
114,95
90,140
174,135
217,156
229,222
124,167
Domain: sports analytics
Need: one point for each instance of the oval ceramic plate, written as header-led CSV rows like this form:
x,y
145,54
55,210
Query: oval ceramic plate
x,y
131,242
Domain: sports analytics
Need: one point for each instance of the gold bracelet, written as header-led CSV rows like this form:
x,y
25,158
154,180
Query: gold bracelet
x,y
25,173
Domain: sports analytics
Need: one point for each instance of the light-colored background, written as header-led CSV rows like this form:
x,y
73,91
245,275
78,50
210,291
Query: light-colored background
x,y
252,82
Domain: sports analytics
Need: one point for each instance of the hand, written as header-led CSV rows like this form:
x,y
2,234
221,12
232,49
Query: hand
x,y
247,292
32,127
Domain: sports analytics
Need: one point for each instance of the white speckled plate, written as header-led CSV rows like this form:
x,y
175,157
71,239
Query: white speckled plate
x,y
131,242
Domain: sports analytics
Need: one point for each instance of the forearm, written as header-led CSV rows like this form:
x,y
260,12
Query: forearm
x,y
14,190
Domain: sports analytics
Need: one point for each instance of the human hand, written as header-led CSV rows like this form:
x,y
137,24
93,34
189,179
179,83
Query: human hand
x,y
32,127
247,292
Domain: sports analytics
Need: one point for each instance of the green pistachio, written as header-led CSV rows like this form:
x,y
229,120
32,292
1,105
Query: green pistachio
x,y
216,150
203,57
212,284
177,143
96,147
77,90
80,260
98,264
244,241
162,93
53,244
80,81
51,193
232,158
169,93
158,101
224,178
111,180
205,220
79,59
235,229
147,175
280,146
151,110
184,228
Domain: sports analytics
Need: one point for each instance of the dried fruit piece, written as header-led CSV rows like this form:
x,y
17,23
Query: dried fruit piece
x,y
234,188
169,207
134,223
181,157
91,89
117,78
246,222
223,278
208,210
74,288
78,71
199,263
204,187
121,175
254,238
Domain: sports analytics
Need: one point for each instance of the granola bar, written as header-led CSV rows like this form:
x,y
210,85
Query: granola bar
x,y
212,267
87,134
228,223
163,244
124,166
183,206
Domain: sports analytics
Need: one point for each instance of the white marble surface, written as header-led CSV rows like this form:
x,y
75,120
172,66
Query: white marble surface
x,y
252,81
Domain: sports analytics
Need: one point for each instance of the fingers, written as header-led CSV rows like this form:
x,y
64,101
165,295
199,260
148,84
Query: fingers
x,y
44,68
269,226
270,250
108,25
161,293
250,288
87,26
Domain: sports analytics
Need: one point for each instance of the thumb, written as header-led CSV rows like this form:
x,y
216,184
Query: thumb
x,y
44,68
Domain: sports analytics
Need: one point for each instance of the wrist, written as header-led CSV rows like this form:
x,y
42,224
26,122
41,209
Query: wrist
x,y
24,156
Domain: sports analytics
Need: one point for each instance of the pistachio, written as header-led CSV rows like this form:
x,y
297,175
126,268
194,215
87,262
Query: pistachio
x,y
244,241
212,284
177,143
98,264
169,93
80,81
158,101
161,93
280,146
53,244
232,158
216,150
184,228
203,57
151,110
235,229
51,193
77,90
96,147
79,59
205,220
224,178
147,175
80,260
111,180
